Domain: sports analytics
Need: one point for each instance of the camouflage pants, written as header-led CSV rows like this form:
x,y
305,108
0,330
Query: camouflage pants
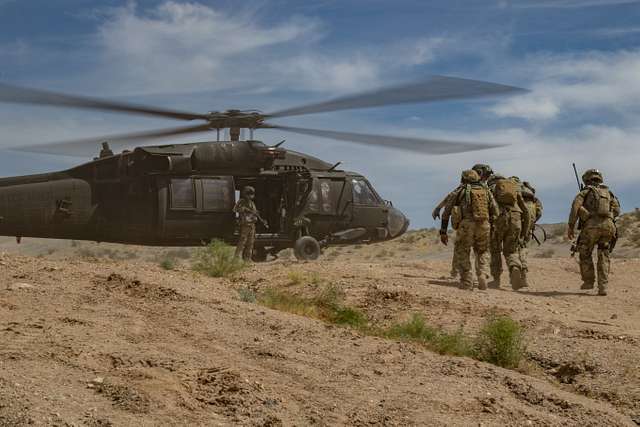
x,y
474,235
245,241
506,241
590,237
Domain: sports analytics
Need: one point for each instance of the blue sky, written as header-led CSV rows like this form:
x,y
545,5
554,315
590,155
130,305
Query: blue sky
x,y
579,58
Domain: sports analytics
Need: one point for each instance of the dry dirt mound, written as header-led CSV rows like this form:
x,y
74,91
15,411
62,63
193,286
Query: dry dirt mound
x,y
110,342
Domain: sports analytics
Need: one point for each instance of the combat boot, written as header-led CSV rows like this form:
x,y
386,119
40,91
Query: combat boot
x,y
524,282
602,289
495,283
586,285
482,283
515,277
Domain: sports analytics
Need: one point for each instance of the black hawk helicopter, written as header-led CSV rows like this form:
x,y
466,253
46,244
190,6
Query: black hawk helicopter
x,y
183,194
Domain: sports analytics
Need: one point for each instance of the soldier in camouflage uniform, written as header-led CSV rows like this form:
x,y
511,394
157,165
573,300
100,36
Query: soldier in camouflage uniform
x,y
484,171
477,208
247,217
509,230
534,206
596,208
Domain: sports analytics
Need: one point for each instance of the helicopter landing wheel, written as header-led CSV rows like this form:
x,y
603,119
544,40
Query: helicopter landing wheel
x,y
259,254
306,248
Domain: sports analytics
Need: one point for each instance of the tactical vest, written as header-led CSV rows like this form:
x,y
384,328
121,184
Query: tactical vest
x,y
476,203
598,201
506,192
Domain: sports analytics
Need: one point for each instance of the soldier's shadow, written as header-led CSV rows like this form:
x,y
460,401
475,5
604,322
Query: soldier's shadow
x,y
553,293
451,283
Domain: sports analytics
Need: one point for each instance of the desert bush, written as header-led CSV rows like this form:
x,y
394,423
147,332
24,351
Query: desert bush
x,y
327,305
217,260
168,263
500,342
247,295
295,278
417,330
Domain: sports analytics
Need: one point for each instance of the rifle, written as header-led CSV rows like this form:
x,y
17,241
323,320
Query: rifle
x,y
574,244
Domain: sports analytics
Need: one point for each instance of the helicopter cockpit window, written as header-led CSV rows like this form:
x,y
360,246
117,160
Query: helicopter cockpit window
x,y
363,194
325,195
182,194
217,194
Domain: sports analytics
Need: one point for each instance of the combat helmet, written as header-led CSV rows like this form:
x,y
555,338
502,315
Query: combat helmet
x,y
248,191
483,170
470,177
528,185
592,176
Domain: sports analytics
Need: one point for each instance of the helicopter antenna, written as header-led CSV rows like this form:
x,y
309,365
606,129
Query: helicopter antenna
x,y
332,168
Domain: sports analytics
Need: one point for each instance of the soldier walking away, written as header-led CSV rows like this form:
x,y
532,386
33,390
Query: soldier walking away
x,y
484,171
477,208
509,230
535,208
247,216
596,209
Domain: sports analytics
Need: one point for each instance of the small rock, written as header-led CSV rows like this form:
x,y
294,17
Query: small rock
x,y
614,316
97,380
19,285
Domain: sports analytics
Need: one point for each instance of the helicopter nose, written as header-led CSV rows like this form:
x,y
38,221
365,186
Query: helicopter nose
x,y
398,223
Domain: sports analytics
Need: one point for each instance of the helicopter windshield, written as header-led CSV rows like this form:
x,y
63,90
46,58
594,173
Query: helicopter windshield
x,y
363,193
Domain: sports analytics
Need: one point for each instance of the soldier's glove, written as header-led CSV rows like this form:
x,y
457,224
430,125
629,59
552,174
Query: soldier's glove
x,y
436,213
444,237
571,234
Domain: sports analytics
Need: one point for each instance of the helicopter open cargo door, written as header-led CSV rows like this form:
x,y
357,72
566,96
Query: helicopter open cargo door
x,y
196,206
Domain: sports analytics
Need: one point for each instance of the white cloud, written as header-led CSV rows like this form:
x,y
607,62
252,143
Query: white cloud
x,y
585,82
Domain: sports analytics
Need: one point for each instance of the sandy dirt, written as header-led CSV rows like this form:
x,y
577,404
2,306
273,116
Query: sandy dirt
x,y
98,341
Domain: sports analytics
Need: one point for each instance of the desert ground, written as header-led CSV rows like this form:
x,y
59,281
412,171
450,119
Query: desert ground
x,y
110,335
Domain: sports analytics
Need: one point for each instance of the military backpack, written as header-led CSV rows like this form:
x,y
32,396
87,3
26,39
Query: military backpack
x,y
506,192
599,202
477,201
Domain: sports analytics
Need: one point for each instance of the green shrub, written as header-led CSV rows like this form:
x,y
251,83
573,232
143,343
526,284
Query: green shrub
x,y
168,264
217,260
500,342
247,295
417,330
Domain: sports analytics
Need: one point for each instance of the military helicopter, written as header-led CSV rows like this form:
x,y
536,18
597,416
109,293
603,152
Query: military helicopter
x,y
183,194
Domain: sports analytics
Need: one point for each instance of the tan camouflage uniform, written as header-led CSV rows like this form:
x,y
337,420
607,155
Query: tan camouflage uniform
x,y
509,231
471,233
535,208
247,212
597,230
436,214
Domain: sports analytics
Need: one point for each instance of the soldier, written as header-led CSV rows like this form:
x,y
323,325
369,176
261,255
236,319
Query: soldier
x,y
509,230
484,171
248,216
534,206
477,208
596,208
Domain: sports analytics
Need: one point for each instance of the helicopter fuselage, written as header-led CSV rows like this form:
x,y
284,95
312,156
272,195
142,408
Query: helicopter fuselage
x,y
183,195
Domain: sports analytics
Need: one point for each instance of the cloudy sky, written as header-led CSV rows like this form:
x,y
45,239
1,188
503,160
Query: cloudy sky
x,y
579,58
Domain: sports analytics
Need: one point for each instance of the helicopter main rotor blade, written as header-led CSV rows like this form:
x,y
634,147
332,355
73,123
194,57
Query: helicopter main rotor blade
x,y
79,147
425,146
21,95
436,88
